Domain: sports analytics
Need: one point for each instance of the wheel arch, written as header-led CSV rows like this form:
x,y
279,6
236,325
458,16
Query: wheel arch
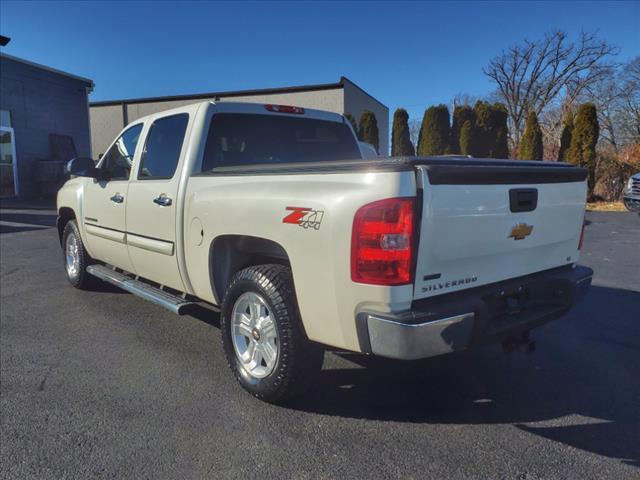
x,y
229,254
65,214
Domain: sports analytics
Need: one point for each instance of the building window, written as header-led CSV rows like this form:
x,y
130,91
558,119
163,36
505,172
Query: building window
x,y
5,118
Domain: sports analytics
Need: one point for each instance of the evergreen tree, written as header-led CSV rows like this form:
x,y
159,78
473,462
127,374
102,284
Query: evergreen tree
x,y
400,139
434,135
368,131
482,143
500,148
467,133
584,138
531,143
353,122
461,114
491,130
565,138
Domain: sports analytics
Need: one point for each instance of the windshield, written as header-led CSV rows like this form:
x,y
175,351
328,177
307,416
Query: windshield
x,y
248,139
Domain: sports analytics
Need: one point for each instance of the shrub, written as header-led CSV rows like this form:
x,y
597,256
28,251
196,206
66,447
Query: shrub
x,y
352,121
613,171
434,136
368,131
467,138
565,137
531,143
400,139
584,139
461,114
491,132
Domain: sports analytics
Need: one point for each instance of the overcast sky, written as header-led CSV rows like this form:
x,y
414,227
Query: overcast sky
x,y
404,54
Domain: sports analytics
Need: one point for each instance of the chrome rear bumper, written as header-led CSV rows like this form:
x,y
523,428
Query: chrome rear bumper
x,y
486,314
412,341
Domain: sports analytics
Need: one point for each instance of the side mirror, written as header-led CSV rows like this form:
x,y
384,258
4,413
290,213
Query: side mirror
x,y
83,167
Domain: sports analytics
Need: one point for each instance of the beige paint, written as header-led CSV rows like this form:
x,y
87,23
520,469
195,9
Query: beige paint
x,y
106,215
150,244
113,235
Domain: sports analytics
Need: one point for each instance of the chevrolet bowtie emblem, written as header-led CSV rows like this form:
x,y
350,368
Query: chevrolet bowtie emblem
x,y
520,231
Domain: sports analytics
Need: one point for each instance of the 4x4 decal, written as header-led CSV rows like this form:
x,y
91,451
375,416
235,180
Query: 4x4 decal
x,y
304,217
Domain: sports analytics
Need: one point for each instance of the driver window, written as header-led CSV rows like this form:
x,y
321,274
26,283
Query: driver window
x,y
118,160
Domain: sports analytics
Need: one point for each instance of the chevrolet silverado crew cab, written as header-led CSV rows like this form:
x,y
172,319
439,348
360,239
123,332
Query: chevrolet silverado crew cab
x,y
271,214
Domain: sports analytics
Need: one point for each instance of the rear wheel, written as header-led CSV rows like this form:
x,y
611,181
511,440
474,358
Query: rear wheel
x,y
262,334
76,258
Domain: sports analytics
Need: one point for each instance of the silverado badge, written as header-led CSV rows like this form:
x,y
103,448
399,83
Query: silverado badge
x,y
520,231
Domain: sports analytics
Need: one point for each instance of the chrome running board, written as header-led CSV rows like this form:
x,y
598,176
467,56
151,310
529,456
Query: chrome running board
x,y
175,303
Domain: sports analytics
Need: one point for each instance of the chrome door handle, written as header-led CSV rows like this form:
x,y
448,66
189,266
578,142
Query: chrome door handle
x,y
117,198
162,200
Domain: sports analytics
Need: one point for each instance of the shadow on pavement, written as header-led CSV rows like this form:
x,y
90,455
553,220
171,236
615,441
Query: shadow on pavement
x,y
18,228
571,374
25,221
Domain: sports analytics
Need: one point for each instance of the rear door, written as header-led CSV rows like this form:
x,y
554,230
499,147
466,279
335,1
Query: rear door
x,y
105,202
483,224
152,204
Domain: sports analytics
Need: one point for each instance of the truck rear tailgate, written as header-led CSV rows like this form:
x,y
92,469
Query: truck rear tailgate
x,y
484,222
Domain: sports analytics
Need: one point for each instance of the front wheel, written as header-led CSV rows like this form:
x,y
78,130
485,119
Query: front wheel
x,y
262,334
76,258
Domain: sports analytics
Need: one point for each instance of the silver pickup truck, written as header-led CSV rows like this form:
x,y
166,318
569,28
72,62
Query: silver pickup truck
x,y
271,214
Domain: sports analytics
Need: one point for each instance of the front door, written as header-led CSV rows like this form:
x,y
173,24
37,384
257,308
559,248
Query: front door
x,y
105,202
8,165
151,207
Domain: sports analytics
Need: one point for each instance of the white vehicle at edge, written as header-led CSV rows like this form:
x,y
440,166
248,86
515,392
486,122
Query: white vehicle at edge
x,y
271,214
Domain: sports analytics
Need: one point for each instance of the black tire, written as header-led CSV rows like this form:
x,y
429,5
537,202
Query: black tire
x,y
298,360
79,277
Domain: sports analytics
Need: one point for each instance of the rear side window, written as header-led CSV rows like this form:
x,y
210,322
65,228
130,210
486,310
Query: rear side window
x,y
163,146
249,139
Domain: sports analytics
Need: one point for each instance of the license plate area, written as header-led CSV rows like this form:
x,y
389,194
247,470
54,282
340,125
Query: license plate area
x,y
506,308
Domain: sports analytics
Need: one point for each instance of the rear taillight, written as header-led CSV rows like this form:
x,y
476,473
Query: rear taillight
x,y
284,109
382,242
581,236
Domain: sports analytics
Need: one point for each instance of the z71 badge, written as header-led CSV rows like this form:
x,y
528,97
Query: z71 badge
x,y
304,217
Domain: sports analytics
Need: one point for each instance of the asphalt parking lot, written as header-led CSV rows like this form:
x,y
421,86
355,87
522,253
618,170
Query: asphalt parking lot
x,y
105,385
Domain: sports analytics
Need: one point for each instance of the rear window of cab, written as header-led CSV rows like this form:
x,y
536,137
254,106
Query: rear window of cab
x,y
252,139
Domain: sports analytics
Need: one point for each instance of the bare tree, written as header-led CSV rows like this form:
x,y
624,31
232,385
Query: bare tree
x,y
414,130
465,99
617,98
532,75
630,99
606,93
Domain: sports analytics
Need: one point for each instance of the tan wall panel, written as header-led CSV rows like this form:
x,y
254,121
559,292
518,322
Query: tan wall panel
x,y
106,123
355,101
330,100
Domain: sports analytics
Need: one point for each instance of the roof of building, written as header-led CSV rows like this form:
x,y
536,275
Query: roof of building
x,y
87,81
236,93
